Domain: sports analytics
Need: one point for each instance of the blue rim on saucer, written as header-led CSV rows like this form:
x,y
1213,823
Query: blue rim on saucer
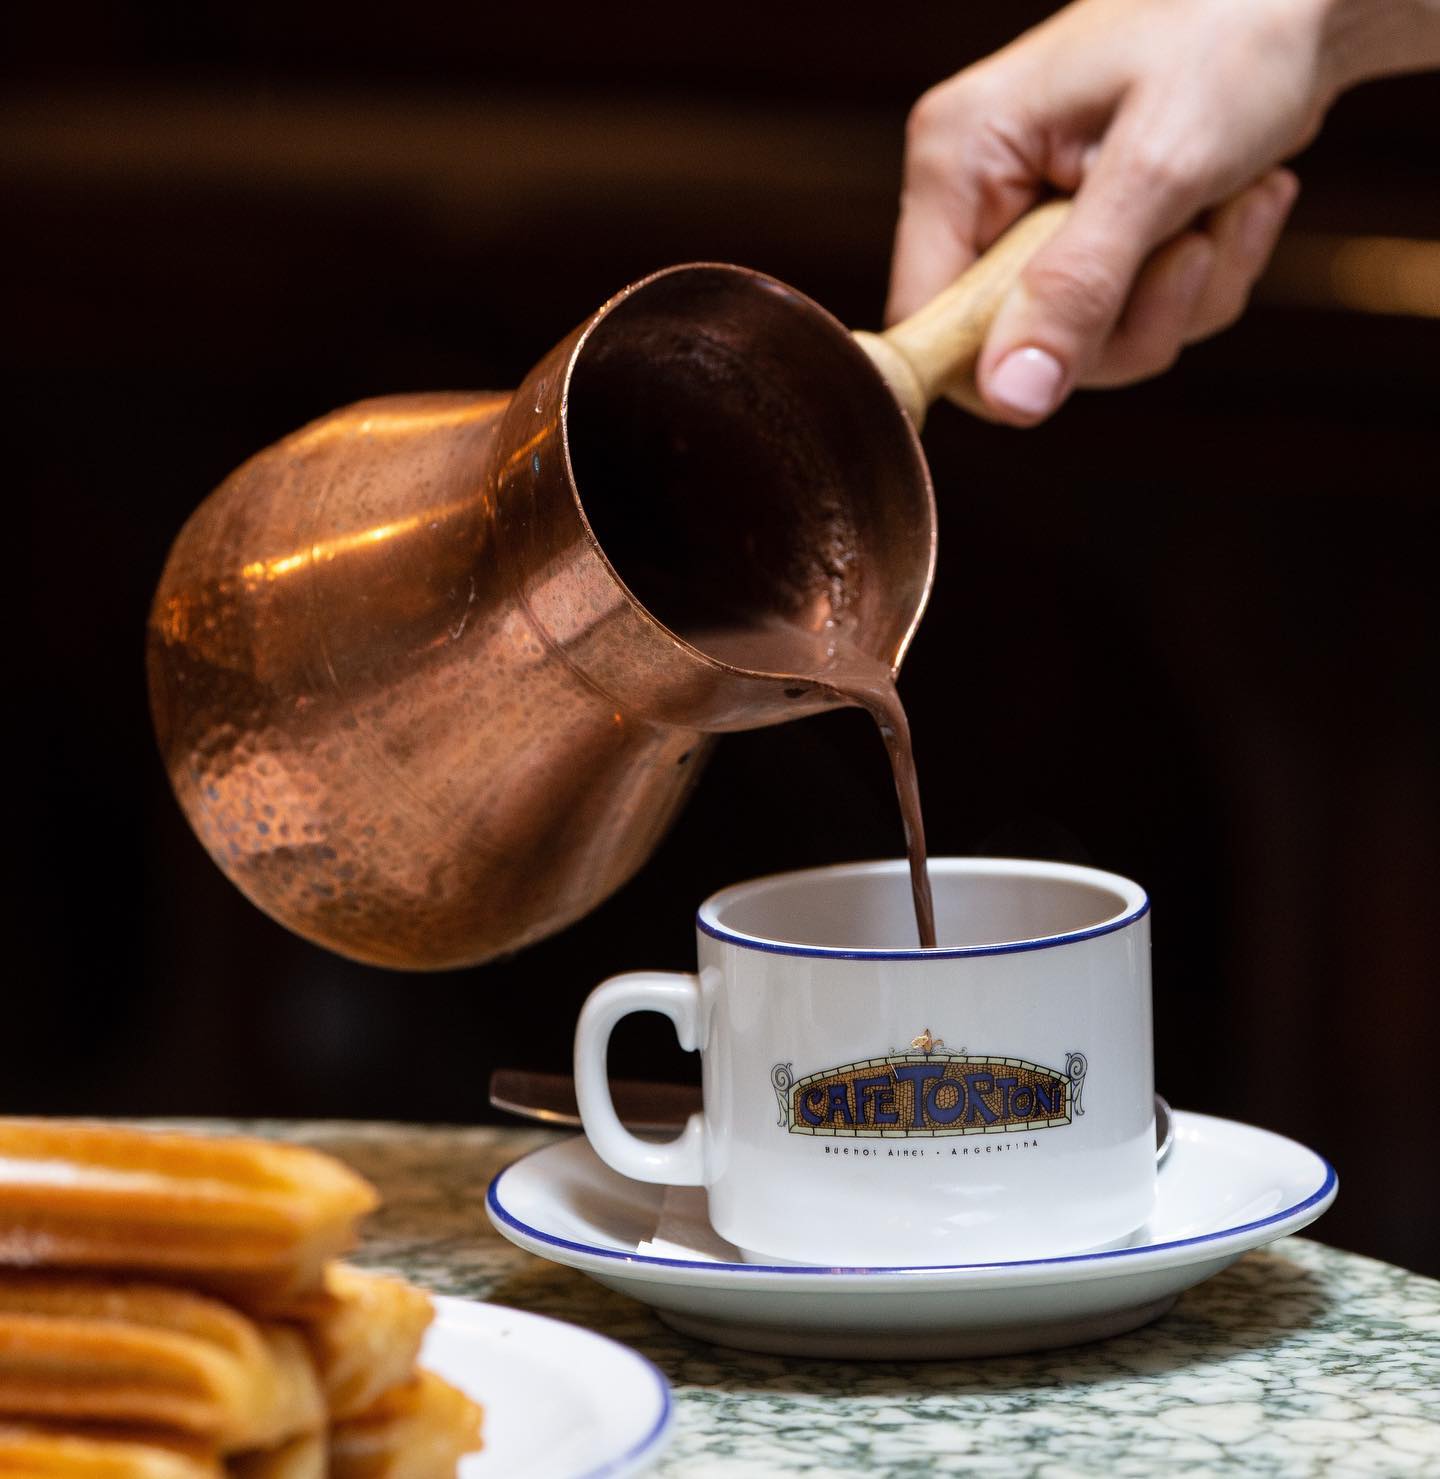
x,y
1319,1198
457,1314
625,1463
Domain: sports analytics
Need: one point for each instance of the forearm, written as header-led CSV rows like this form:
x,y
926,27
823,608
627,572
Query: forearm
x,y
1365,39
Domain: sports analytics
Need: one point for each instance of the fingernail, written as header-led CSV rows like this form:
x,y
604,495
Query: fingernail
x,y
1027,381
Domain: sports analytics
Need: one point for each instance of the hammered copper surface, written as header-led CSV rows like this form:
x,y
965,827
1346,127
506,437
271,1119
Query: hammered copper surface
x,y
408,703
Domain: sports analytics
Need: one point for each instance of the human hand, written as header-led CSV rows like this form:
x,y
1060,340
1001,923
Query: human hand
x,y
1151,112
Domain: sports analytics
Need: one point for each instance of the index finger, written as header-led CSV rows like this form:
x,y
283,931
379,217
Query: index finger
x,y
966,182
934,244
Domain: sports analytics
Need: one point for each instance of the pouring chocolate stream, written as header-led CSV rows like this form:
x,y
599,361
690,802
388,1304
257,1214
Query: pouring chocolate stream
x,y
932,352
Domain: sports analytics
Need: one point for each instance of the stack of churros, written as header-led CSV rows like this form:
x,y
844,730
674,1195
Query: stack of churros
x,y
171,1308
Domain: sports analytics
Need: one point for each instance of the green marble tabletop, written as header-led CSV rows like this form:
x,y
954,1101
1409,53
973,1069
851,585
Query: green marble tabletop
x,y
1297,1360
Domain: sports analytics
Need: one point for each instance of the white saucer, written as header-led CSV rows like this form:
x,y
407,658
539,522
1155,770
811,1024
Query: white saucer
x,y
560,1402
1224,1188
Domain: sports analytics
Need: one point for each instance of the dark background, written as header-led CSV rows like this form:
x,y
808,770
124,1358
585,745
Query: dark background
x,y
1194,623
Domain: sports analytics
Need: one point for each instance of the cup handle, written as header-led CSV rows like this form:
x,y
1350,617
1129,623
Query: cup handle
x,y
676,994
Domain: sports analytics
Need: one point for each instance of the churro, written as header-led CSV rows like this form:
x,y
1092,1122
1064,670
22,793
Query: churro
x,y
95,1350
416,1431
306,1457
170,1309
35,1451
250,1219
364,1335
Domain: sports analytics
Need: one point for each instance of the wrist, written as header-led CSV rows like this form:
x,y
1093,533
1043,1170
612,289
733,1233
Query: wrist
x,y
1364,39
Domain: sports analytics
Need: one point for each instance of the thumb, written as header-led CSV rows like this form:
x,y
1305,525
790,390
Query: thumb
x,y
1056,319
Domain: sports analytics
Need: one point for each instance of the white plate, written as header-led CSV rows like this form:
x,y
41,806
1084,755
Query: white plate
x,y
560,1402
1224,1188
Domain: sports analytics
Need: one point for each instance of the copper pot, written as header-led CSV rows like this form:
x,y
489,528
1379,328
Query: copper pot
x,y
419,671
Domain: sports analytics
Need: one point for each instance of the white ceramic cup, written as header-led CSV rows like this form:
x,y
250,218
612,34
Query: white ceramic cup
x,y
868,1104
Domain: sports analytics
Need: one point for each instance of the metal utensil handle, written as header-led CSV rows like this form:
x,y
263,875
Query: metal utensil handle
x,y
675,994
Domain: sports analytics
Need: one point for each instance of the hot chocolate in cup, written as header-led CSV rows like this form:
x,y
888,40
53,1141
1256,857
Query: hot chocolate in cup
x,y
867,1104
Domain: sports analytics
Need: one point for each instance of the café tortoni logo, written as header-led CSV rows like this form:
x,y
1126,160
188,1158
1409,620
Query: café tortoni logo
x,y
925,1090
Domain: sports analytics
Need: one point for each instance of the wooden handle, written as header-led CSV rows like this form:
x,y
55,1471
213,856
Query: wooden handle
x,y
935,350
